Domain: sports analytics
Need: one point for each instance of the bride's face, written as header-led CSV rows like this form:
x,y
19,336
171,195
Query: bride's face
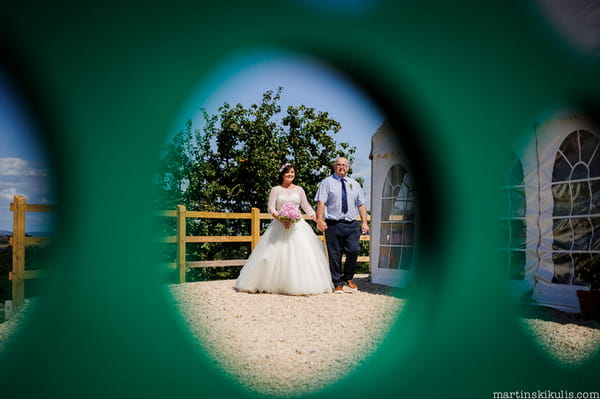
x,y
288,178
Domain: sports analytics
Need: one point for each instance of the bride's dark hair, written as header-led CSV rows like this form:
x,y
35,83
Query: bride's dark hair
x,y
283,170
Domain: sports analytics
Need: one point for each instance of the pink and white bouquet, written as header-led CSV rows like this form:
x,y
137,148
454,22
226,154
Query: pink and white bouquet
x,y
289,213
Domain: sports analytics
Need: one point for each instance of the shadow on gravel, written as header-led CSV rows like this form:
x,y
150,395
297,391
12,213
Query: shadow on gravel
x,y
556,316
365,285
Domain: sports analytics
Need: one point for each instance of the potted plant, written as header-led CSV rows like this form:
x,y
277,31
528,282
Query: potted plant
x,y
589,300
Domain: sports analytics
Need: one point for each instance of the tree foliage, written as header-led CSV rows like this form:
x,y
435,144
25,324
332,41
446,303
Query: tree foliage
x,y
231,164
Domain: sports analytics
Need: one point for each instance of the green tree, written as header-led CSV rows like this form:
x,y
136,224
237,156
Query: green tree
x,y
233,162
184,168
250,146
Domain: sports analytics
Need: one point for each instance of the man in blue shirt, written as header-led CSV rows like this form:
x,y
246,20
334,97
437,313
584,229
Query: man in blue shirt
x,y
340,199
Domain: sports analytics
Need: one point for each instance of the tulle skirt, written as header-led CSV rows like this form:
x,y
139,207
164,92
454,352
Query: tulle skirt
x,y
287,261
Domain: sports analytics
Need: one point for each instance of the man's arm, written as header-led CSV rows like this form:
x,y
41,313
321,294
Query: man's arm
x,y
362,210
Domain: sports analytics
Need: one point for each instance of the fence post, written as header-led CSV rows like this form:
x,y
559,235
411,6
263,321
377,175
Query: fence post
x,y
18,252
255,228
181,222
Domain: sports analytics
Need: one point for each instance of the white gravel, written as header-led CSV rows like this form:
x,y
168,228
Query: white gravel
x,y
287,345
292,345
568,338
8,327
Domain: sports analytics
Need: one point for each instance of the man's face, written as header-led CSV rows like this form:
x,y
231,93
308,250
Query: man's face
x,y
341,167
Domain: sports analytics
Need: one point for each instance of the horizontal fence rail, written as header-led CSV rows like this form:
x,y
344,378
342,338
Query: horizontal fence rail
x,y
181,239
19,241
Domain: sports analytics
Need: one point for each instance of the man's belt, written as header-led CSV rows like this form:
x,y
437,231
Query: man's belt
x,y
333,221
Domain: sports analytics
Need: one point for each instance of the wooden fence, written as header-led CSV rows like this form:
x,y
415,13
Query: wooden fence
x,y
19,241
181,239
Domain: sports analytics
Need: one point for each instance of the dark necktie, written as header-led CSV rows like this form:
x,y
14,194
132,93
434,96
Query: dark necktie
x,y
344,197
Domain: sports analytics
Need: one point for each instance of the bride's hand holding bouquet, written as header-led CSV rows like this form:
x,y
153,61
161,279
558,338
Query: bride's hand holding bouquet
x,y
289,214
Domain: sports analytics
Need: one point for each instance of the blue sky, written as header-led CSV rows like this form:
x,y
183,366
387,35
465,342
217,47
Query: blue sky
x,y
23,162
24,166
306,81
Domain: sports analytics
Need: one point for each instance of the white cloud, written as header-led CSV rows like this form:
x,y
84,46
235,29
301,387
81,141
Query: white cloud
x,y
31,180
19,177
19,167
9,193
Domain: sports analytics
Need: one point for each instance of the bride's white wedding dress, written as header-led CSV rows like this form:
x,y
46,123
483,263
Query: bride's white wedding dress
x,y
287,261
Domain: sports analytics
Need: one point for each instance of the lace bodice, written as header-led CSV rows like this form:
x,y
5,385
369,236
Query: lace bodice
x,y
296,196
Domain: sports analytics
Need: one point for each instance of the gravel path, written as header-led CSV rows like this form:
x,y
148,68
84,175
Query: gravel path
x,y
9,326
567,337
280,344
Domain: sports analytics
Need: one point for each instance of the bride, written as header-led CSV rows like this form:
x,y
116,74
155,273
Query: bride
x,y
289,258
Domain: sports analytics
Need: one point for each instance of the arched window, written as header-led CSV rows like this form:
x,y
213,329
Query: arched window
x,y
576,212
514,222
397,238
